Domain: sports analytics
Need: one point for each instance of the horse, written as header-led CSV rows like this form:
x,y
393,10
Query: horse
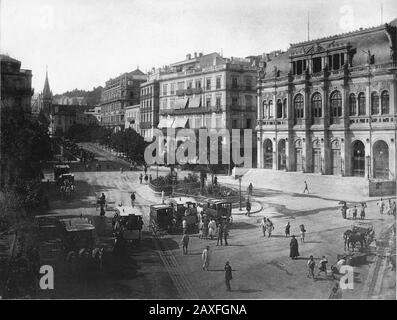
x,y
351,238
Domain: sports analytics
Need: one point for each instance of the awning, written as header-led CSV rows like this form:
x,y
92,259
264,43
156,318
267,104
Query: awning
x,y
195,102
163,123
181,103
180,123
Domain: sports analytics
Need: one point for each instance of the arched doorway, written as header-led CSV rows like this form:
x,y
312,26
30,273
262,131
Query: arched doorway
x,y
381,160
316,156
298,156
358,159
336,162
268,154
282,158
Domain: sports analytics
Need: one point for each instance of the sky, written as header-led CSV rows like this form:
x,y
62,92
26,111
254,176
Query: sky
x,y
86,42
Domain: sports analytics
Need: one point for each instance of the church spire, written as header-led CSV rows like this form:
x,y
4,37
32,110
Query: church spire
x,y
47,91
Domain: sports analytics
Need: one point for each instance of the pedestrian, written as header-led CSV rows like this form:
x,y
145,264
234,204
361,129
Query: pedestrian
x,y
322,266
293,248
250,188
140,178
393,208
354,210
381,206
199,212
248,207
263,226
306,188
336,292
205,228
162,196
145,169
388,207
206,258
287,228
150,178
201,227
311,264
303,231
343,211
133,199
185,243
220,234
228,275
184,225
211,228
121,170
269,227
215,181
131,167
146,178
362,210
225,233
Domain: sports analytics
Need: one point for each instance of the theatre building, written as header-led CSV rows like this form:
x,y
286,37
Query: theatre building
x,y
328,106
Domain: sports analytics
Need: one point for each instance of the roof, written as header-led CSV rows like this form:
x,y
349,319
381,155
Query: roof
x,y
76,224
7,58
47,91
62,166
160,206
182,200
127,210
137,72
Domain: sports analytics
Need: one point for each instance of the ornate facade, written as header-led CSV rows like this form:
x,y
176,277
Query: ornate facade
x,y
328,106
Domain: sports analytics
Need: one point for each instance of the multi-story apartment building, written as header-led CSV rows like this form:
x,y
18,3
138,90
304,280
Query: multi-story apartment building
x,y
149,108
119,93
208,91
132,118
328,106
16,85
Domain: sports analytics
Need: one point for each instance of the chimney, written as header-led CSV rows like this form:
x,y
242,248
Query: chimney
x,y
200,54
188,56
195,55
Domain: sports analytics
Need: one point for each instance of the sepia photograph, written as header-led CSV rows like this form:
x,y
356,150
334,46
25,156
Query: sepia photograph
x,y
198,155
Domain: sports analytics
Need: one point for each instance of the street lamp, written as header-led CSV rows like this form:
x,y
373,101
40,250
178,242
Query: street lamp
x,y
368,166
239,181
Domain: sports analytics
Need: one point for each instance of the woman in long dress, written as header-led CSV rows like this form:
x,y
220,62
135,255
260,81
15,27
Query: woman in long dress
x,y
293,248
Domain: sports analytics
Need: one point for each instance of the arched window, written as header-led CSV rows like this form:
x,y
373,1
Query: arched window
x,y
361,104
385,102
336,104
298,106
264,110
279,109
271,113
316,105
284,108
352,105
374,103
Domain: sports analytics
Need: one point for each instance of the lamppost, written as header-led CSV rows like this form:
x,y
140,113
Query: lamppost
x,y
239,181
368,166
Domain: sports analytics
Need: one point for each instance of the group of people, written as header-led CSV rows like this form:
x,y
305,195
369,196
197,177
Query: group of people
x,y
145,177
209,228
387,207
353,211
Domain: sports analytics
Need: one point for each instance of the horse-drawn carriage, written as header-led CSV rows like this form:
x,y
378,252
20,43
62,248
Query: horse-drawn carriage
x,y
361,232
62,173
76,234
162,218
219,209
128,222
185,208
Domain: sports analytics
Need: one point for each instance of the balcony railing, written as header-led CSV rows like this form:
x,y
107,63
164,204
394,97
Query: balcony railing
x,y
382,119
359,120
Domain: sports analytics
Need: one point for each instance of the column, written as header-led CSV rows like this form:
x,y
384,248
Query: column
x,y
287,154
259,154
368,160
275,154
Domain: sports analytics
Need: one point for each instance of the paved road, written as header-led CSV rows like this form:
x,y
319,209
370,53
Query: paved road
x,y
262,267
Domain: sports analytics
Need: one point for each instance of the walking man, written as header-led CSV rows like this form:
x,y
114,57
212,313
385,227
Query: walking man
x,y
133,199
226,233
228,275
220,234
306,188
362,210
250,188
212,228
263,226
303,231
184,225
381,206
146,178
162,197
322,266
185,243
248,207
140,178
354,212
311,264
287,228
206,258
